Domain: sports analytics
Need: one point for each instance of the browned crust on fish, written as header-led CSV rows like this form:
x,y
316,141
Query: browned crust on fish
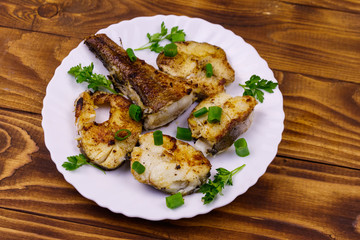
x,y
189,64
97,140
155,88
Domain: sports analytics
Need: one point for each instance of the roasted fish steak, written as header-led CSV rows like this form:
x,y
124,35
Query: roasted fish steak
x,y
97,140
189,64
174,166
236,118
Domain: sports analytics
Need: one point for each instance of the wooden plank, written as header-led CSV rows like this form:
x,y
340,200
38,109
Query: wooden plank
x,y
325,37
311,48
18,225
27,65
344,5
314,47
324,127
17,14
304,199
322,120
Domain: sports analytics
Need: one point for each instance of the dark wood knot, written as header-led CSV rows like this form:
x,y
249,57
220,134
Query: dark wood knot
x,y
48,10
4,141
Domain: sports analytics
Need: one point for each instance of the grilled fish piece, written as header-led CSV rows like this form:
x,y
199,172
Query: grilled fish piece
x,y
189,64
236,118
162,97
96,140
173,167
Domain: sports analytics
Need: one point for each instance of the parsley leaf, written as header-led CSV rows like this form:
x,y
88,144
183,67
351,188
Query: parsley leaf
x,y
255,85
175,35
74,162
95,81
222,178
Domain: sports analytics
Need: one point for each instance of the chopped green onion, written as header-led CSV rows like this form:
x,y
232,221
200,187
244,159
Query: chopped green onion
x,y
170,50
117,137
200,112
131,54
183,134
174,201
209,70
241,147
214,114
138,167
135,112
158,138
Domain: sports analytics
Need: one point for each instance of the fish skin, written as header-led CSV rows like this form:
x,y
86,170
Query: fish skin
x,y
153,90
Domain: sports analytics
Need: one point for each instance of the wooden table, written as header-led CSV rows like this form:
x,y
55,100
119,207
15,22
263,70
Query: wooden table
x,y
311,190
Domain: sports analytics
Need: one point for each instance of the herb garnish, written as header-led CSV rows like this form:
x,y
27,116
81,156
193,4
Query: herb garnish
x,y
174,201
121,137
253,87
212,188
74,162
214,114
241,147
135,112
138,167
158,138
96,81
131,54
175,35
200,112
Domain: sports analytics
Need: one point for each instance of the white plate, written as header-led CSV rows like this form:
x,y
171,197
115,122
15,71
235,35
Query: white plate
x,y
118,190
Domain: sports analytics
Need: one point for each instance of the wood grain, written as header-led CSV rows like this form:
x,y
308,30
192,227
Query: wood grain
x,y
310,191
27,68
322,119
17,225
324,43
321,127
314,194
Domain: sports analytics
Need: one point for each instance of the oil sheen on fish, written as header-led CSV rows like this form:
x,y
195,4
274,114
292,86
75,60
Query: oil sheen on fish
x,y
174,166
162,97
236,118
97,140
189,64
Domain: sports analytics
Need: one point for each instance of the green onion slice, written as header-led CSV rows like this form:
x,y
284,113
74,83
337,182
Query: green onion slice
x,y
214,114
138,167
122,137
174,201
158,138
209,70
241,147
183,134
200,112
170,50
135,112
131,54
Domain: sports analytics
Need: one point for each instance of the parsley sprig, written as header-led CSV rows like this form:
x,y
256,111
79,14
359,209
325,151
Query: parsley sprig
x,y
74,162
222,178
255,85
96,81
175,35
